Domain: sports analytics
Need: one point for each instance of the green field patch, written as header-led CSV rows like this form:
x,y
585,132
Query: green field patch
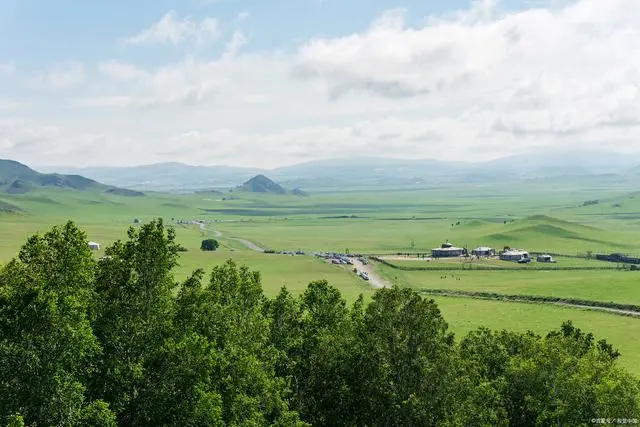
x,y
174,205
248,212
8,207
632,310
467,314
92,202
550,230
616,286
40,199
501,237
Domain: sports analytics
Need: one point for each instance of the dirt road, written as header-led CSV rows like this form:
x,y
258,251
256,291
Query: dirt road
x,y
248,244
203,228
375,280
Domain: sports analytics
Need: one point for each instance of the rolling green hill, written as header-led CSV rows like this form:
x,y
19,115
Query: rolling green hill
x,y
17,178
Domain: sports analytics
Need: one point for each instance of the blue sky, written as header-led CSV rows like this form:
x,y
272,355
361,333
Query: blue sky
x,y
36,32
261,83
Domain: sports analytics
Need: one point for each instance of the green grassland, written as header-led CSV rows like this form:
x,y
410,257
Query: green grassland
x,y
536,218
465,314
606,286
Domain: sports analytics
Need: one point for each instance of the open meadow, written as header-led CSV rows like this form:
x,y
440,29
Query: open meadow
x,y
389,222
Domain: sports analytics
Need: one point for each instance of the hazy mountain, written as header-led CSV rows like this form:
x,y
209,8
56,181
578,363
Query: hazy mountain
x,y
17,178
264,185
566,163
176,177
261,184
374,172
634,171
299,192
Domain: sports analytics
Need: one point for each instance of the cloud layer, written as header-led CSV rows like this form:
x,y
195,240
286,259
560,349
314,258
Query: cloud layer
x,y
171,29
469,85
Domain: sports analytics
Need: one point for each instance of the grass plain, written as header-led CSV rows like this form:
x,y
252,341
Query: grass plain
x,y
538,218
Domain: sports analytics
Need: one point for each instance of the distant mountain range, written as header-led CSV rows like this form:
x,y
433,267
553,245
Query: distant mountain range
x,y
374,172
17,178
173,177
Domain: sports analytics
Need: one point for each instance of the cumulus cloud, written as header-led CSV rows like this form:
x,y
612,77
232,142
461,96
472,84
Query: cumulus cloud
x,y
62,75
238,40
120,71
171,29
474,84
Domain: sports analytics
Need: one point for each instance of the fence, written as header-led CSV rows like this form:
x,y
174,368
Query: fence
x,y
477,267
628,309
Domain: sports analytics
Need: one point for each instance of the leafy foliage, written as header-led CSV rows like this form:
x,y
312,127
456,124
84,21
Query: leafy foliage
x,y
120,342
209,245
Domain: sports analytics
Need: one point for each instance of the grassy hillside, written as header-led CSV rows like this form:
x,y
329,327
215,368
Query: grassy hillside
x,y
19,179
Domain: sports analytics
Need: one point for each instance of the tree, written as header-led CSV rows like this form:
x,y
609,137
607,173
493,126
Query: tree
x,y
209,245
47,347
408,374
120,342
135,288
564,378
230,313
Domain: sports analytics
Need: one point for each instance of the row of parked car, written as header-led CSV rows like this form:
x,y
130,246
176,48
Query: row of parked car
x,y
292,253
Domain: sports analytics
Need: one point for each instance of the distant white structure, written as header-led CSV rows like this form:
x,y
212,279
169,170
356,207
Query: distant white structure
x,y
483,251
545,258
447,250
514,255
94,246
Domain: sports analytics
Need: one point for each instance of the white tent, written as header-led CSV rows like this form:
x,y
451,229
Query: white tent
x,y
94,246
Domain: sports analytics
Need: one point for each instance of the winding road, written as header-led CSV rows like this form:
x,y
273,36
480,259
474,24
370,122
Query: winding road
x,y
374,279
248,244
244,242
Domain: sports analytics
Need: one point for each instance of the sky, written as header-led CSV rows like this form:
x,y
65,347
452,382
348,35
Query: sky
x,y
273,83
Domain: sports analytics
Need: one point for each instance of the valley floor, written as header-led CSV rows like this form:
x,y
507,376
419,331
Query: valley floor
x,y
388,224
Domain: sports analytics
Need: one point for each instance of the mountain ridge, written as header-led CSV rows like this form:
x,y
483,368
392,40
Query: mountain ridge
x,y
18,178
368,172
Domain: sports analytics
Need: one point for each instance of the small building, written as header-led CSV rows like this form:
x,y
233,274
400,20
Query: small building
x,y
483,251
545,258
514,255
94,246
447,250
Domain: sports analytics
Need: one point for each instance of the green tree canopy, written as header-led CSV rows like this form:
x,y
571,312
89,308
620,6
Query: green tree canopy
x,y
120,342
209,245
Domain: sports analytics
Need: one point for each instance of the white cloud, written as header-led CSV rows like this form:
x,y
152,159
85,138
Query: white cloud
x,y
469,85
120,71
171,29
238,40
62,75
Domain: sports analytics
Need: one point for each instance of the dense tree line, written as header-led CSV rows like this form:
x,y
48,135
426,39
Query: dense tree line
x,y
120,342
